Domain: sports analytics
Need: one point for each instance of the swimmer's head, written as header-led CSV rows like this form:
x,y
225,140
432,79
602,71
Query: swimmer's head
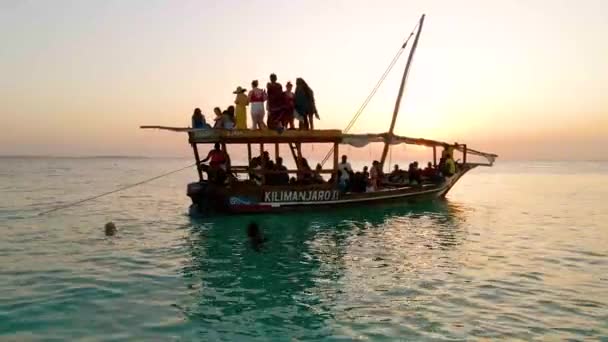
x,y
110,229
253,231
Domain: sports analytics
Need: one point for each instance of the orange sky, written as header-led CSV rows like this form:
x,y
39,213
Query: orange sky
x,y
524,79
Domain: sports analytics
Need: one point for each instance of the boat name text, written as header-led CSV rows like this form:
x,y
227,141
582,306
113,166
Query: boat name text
x,y
301,196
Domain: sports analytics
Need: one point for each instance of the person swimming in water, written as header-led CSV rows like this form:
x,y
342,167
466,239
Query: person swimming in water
x,y
256,238
110,229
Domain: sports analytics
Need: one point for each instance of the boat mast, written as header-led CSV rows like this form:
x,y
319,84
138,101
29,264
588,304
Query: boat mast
x,y
400,95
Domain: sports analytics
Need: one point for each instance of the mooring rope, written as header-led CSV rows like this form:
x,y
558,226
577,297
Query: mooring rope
x,y
114,191
358,113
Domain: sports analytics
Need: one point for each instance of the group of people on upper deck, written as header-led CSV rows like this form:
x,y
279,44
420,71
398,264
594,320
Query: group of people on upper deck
x,y
283,107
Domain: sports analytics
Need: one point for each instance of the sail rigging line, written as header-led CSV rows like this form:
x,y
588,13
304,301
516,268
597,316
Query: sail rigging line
x,y
65,206
358,113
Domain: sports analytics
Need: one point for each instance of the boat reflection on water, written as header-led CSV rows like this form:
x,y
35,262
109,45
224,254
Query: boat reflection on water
x,y
315,268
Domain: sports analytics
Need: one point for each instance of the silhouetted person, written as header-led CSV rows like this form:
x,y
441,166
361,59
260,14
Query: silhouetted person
x,y
276,102
198,120
283,175
110,229
304,102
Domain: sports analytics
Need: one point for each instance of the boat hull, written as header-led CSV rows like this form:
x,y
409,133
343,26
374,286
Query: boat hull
x,y
209,199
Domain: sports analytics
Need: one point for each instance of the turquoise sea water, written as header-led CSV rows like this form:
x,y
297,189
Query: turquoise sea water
x,y
517,251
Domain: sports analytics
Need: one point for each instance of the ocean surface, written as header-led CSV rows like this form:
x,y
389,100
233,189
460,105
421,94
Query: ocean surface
x,y
517,251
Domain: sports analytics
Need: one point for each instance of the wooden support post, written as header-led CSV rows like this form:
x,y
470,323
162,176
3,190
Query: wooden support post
x,y
336,156
434,156
249,158
464,154
198,162
276,151
263,164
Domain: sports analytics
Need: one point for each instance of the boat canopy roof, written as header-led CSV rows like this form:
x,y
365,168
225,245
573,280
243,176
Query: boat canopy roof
x,y
210,136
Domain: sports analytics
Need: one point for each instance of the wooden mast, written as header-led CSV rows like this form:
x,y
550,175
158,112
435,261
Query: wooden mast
x,y
400,95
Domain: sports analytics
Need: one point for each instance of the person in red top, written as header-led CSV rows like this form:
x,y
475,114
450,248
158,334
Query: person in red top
x,y
257,97
216,157
218,161
276,102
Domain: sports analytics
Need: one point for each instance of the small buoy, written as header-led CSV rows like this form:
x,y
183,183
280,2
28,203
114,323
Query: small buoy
x,y
110,229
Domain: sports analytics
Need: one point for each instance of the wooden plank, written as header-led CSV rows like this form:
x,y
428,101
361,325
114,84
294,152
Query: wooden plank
x,y
401,88
276,151
248,159
263,162
295,156
336,158
243,169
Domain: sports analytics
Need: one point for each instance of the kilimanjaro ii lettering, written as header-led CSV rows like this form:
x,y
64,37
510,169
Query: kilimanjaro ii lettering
x,y
301,196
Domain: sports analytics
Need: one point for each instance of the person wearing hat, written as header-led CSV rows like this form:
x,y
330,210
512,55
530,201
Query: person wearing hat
x,y
241,101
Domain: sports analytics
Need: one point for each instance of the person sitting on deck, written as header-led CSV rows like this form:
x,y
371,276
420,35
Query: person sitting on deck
x,y
397,175
198,119
342,181
228,118
255,166
304,103
219,118
305,172
218,163
365,173
241,101
257,97
414,174
317,178
449,167
358,183
276,102
429,171
282,176
345,169
265,158
375,176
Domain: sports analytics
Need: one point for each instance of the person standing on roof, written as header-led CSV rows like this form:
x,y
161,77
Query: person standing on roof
x,y
305,104
241,101
276,102
257,97
288,113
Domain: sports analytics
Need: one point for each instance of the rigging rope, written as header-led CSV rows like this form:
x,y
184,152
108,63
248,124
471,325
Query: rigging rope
x,y
114,191
374,90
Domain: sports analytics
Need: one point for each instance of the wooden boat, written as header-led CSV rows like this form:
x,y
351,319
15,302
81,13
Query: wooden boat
x,y
247,196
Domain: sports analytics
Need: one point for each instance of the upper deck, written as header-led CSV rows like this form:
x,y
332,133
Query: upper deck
x,y
246,136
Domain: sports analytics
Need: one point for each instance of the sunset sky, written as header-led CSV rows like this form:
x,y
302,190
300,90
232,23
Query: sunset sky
x,y
524,79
